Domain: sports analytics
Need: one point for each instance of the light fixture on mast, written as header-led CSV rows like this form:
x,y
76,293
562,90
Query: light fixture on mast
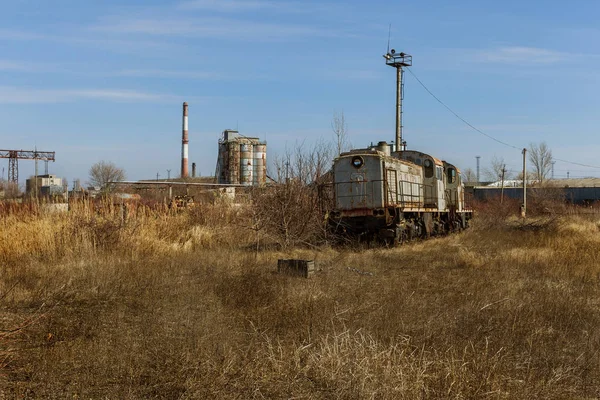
x,y
398,61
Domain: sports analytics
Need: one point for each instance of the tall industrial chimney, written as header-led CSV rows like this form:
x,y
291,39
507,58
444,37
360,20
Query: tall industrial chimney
x,y
184,143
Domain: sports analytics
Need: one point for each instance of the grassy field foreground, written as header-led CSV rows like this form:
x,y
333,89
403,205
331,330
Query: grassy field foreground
x,y
183,306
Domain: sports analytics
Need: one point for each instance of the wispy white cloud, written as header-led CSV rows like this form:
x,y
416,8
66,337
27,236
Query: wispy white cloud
x,y
192,75
163,73
20,95
226,5
11,34
240,6
213,28
7,65
524,55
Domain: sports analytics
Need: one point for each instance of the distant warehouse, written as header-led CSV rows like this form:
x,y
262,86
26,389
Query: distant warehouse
x,y
575,191
46,185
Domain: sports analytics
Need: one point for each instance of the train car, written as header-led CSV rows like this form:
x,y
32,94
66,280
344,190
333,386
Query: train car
x,y
396,196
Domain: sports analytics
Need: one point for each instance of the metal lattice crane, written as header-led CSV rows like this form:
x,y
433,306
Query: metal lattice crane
x,y
14,156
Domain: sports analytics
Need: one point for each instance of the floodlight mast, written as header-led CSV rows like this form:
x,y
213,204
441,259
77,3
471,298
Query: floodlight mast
x,y
398,61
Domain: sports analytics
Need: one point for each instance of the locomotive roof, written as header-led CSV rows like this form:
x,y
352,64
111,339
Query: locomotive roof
x,y
437,161
452,165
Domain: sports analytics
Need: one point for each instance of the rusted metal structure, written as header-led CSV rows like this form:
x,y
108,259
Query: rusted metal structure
x,y
15,155
184,143
241,160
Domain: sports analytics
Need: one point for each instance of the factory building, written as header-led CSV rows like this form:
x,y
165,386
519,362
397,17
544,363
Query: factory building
x,y
242,160
46,185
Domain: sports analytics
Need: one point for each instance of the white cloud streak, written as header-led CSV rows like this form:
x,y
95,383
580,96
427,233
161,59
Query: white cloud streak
x,y
6,65
518,54
191,75
240,6
19,95
213,28
225,5
526,56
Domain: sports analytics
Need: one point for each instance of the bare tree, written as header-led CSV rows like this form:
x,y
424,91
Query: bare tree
x,y
340,131
469,175
290,213
304,164
494,172
104,172
540,157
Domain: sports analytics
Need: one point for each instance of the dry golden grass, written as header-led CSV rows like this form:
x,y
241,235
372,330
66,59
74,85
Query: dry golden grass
x,y
182,305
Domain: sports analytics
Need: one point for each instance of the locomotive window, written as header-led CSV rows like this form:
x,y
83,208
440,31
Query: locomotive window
x,y
451,175
428,166
357,161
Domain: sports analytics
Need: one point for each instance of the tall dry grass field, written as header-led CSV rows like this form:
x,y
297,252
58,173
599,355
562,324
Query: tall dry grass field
x,y
186,305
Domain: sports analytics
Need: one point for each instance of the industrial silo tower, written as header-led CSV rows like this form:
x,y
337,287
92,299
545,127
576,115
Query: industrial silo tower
x,y
242,160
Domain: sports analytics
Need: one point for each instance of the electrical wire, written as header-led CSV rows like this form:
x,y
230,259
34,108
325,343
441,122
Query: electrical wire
x,y
458,116
480,131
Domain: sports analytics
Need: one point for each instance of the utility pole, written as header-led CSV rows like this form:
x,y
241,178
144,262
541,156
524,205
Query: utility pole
x,y
398,61
168,174
553,162
478,157
524,210
157,175
502,190
35,156
568,173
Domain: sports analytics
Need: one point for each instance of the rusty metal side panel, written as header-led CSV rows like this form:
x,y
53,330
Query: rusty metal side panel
x,y
359,187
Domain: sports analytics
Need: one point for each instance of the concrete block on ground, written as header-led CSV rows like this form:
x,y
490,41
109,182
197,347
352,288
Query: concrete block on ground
x,y
293,267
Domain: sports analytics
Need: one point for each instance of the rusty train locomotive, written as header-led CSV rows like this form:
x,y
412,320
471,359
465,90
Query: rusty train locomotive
x,y
396,196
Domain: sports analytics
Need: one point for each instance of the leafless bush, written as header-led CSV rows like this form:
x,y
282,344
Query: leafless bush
x,y
288,214
291,212
546,200
493,212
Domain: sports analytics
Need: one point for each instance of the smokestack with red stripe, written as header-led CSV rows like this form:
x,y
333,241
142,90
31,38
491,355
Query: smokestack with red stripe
x,y
184,143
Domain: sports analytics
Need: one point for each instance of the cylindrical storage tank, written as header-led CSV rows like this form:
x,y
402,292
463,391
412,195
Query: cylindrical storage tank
x,y
222,164
260,164
246,169
234,162
384,148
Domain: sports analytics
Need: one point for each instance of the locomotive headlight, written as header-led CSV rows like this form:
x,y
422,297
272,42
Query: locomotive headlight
x,y
357,161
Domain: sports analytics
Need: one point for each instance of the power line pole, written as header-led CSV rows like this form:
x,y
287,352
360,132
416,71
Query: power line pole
x,y
168,174
553,162
478,157
502,190
398,61
524,210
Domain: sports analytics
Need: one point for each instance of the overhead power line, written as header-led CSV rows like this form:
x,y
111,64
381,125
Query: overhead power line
x,y
479,130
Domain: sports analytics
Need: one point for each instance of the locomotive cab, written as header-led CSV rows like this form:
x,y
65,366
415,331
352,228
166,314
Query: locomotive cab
x,y
433,178
454,187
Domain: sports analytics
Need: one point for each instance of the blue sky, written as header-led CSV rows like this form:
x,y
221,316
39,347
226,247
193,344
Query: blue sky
x,y
104,80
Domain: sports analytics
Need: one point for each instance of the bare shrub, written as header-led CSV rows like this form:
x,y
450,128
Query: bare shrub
x,y
291,213
494,213
546,200
288,214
